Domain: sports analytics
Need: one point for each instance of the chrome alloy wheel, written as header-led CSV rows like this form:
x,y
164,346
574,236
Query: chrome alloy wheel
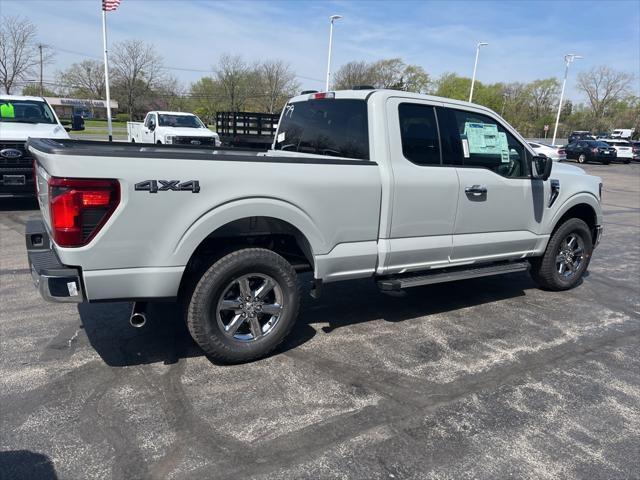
x,y
571,256
250,307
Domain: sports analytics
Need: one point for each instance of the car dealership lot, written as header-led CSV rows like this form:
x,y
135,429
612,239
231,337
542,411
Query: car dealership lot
x,y
485,378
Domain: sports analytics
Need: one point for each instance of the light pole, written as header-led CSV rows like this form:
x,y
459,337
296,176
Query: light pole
x,y
475,66
332,19
568,59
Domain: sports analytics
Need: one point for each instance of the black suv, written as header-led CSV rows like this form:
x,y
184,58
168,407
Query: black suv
x,y
580,135
591,150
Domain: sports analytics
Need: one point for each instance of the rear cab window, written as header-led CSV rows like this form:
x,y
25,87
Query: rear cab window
x,y
331,127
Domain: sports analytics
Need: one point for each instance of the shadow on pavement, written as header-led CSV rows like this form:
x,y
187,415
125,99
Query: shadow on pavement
x,y
165,337
26,465
18,204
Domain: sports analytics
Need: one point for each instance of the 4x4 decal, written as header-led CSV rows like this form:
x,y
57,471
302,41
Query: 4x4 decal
x,y
155,186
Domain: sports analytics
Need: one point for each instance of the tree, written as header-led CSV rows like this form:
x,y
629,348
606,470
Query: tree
x,y
137,72
385,73
19,53
276,84
543,96
85,79
453,86
206,98
604,87
351,74
237,81
33,89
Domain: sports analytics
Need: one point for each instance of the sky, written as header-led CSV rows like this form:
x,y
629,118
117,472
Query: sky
x,y
527,40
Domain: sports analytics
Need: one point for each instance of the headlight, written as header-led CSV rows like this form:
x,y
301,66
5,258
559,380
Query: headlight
x,y
169,139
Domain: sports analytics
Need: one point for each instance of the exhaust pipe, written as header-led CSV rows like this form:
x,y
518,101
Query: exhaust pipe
x,y
138,315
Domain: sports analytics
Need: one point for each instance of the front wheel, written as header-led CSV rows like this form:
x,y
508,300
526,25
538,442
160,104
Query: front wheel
x,y
244,305
582,158
566,258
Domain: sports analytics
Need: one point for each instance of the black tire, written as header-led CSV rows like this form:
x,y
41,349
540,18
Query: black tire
x,y
606,162
204,316
545,270
627,162
582,158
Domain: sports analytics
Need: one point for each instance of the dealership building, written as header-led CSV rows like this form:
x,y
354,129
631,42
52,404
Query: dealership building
x,y
67,107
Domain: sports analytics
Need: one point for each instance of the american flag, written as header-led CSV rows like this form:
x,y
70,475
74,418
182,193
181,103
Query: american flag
x,y
110,5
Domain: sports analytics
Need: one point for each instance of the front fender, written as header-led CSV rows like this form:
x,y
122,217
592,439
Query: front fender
x,y
244,208
576,199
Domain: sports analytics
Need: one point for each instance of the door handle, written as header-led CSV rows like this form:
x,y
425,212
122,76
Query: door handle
x,y
476,190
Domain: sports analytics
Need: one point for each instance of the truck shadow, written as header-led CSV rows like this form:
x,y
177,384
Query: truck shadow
x,y
26,465
17,204
165,337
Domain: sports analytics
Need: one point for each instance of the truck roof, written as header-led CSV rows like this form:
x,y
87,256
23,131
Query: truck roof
x,y
387,93
163,112
21,97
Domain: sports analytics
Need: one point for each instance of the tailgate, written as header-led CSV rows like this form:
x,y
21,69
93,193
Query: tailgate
x,y
42,189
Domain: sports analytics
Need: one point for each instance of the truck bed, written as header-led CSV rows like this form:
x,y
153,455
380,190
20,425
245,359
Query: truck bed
x,y
150,237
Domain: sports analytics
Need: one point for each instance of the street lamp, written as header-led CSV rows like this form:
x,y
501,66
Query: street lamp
x,y
568,59
332,19
475,66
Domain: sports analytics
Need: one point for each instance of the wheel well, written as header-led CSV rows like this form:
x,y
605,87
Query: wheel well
x,y
585,213
265,232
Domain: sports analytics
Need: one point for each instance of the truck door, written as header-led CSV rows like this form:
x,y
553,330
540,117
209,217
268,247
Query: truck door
x,y
148,130
500,207
424,193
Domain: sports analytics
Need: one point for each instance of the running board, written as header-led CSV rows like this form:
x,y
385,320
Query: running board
x,y
451,275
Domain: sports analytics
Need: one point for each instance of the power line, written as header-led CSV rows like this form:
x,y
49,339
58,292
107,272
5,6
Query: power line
x,y
180,69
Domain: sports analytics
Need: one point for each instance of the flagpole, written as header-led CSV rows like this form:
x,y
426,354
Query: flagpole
x,y
106,72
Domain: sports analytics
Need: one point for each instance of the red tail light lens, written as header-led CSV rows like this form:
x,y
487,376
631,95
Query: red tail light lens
x,y
80,207
561,152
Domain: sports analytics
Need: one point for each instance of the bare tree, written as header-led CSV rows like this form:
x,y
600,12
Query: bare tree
x,y
236,79
604,87
137,72
84,79
276,83
19,53
388,73
351,74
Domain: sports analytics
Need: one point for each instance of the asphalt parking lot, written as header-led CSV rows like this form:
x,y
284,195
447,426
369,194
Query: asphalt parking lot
x,y
486,378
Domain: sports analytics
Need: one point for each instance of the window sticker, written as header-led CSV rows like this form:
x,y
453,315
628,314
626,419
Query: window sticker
x,y
485,139
281,137
465,147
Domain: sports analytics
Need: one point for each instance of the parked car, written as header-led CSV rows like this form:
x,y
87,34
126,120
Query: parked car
x,y
557,154
635,145
22,117
624,149
590,151
580,135
175,128
624,133
353,187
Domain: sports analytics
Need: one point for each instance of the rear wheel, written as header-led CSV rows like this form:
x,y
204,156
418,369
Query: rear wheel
x,y
582,158
566,258
244,305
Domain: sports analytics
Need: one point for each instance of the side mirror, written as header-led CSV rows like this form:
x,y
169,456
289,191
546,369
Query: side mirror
x,y
152,127
541,167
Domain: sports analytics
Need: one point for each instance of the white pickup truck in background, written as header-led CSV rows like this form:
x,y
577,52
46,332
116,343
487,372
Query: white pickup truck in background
x,y
178,128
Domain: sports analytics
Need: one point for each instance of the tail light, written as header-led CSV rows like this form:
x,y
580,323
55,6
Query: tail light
x,y
322,95
561,152
80,207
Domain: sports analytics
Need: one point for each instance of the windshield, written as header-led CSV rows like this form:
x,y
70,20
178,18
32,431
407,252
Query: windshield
x,y
325,127
25,111
185,121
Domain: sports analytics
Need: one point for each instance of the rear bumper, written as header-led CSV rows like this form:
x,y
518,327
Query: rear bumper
x,y
55,282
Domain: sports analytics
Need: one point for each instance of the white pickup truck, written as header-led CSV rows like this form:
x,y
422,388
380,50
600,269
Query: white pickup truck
x,y
22,117
402,188
172,128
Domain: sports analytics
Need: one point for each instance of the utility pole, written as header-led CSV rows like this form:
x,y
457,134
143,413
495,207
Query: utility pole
x,y
475,67
332,19
41,87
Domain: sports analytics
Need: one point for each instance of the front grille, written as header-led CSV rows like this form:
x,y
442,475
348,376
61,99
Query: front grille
x,y
25,160
188,140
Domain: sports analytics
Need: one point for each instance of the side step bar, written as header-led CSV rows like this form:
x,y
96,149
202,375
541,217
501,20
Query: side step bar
x,y
451,275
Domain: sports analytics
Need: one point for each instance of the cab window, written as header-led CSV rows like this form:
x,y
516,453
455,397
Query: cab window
x,y
419,133
477,140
